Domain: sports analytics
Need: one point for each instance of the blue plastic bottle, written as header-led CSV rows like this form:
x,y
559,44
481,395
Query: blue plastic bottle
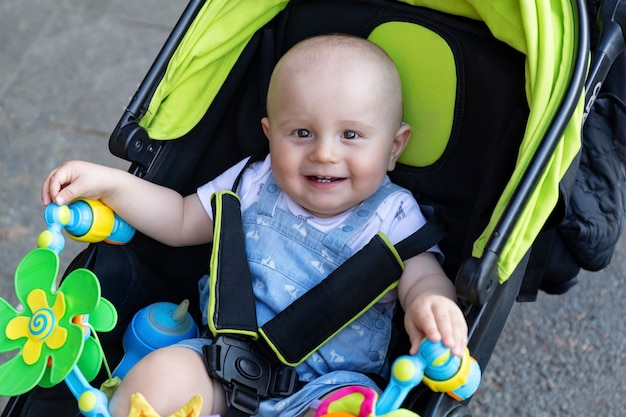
x,y
156,326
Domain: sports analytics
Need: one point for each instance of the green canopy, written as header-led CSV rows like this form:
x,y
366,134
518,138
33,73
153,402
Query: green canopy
x,y
202,61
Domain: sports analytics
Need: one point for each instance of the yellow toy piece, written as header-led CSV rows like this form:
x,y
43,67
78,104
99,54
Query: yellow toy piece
x,y
139,407
103,220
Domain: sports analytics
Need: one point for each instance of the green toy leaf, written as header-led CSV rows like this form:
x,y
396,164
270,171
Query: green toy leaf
x,y
82,291
90,361
17,378
104,317
7,313
38,269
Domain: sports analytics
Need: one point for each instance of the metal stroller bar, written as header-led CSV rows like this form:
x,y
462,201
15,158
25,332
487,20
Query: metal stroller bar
x,y
130,141
612,16
477,278
138,105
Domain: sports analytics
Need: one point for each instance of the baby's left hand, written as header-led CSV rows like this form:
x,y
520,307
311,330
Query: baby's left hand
x,y
437,318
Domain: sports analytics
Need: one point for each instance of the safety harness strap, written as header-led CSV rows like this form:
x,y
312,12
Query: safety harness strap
x,y
316,316
324,310
253,367
230,280
423,239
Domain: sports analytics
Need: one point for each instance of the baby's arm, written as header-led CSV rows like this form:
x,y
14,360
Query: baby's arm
x,y
154,210
428,298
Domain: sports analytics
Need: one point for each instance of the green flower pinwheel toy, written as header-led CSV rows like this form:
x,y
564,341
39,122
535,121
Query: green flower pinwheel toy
x,y
55,331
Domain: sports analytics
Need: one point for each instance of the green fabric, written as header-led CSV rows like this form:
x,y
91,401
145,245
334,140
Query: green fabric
x,y
428,87
544,30
202,61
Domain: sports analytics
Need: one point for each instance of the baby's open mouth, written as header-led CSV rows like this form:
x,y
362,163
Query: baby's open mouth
x,y
318,178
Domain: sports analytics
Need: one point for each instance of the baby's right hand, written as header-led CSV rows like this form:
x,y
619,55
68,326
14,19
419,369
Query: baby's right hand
x,y
76,179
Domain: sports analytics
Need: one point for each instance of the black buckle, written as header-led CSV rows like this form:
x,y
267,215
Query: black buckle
x,y
248,375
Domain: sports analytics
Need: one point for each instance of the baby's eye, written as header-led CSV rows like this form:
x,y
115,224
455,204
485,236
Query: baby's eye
x,y
302,133
349,134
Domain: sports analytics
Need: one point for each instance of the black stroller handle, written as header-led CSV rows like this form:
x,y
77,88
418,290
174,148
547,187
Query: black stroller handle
x,y
611,20
139,103
130,141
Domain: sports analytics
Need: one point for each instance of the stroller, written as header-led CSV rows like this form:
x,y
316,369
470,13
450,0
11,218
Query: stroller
x,y
493,92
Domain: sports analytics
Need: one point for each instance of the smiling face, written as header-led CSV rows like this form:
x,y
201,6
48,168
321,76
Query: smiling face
x,y
334,122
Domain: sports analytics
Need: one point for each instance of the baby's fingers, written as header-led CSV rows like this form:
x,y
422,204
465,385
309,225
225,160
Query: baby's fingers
x,y
453,328
61,185
415,336
50,188
438,319
460,335
420,324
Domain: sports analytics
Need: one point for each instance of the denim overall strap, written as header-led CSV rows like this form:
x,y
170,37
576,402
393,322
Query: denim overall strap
x,y
269,197
341,236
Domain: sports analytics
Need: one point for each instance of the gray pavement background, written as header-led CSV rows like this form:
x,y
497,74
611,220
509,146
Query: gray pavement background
x,y
67,70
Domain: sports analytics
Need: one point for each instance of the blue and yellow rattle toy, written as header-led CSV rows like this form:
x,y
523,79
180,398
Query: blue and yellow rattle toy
x,y
84,221
55,334
437,368
433,364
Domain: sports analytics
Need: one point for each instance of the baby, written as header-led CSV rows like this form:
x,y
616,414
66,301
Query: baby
x,y
334,125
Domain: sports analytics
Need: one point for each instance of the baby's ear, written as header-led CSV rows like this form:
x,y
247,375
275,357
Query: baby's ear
x,y
400,141
265,123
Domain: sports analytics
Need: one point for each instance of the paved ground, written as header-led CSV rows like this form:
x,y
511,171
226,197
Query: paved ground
x,y
68,68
